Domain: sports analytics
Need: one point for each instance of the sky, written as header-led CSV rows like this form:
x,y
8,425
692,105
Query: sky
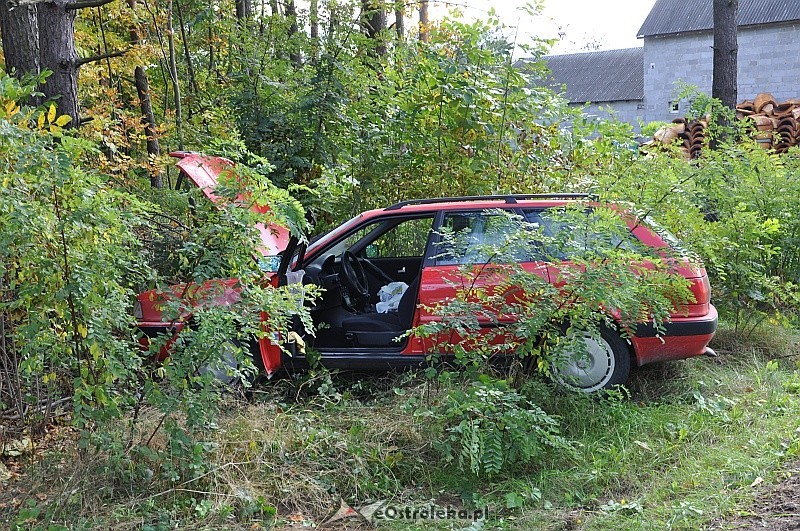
x,y
581,25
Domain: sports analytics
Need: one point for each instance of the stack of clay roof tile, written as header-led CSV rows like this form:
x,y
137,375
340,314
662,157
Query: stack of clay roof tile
x,y
691,134
776,123
776,126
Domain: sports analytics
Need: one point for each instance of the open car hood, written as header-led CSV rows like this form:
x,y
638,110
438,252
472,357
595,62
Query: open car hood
x,y
204,170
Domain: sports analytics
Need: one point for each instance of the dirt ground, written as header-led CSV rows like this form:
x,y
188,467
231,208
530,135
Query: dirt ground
x,y
776,509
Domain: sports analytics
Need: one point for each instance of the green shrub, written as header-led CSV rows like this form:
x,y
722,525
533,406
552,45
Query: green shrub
x,y
71,263
491,428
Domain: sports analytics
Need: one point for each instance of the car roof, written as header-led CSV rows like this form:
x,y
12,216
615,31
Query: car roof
x,y
420,206
508,199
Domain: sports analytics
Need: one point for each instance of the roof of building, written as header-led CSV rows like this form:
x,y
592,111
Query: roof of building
x,y
611,75
681,16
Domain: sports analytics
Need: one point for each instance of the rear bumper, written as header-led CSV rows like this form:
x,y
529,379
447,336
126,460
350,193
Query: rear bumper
x,y
681,338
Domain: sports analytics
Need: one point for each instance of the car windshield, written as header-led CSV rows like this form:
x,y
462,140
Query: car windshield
x,y
318,239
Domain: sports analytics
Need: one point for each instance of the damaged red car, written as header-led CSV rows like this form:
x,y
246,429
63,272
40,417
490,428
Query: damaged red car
x,y
382,271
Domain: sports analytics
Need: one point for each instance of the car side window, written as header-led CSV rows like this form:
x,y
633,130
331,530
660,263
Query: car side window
x,y
566,237
406,240
479,237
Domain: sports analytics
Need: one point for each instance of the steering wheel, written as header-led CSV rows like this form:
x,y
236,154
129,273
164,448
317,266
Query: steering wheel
x,y
354,276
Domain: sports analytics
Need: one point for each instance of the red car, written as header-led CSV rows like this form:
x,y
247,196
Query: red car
x,y
359,263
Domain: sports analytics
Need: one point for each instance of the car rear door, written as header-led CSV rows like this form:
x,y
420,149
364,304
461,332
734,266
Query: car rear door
x,y
469,256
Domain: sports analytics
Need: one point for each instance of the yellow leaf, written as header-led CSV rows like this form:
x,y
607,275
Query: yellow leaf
x,y
11,109
82,330
40,121
51,114
63,120
94,349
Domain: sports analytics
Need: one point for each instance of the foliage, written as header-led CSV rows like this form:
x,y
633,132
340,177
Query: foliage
x,y
70,262
491,428
66,248
342,128
681,444
734,207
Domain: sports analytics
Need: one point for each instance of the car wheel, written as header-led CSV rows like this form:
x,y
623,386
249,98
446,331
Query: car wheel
x,y
228,361
605,363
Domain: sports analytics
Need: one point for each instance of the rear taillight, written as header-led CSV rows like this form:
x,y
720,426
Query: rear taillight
x,y
701,289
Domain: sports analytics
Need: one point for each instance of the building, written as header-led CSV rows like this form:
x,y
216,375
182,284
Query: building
x,y
678,39
609,81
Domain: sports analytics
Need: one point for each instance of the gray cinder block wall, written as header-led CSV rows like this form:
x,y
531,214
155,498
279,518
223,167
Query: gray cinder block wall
x,y
769,61
625,111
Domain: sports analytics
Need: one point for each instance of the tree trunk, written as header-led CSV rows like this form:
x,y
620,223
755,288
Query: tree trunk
x,y
273,7
244,9
424,34
187,54
134,31
725,52
399,20
313,19
173,74
20,33
291,16
373,19
57,53
149,121
146,106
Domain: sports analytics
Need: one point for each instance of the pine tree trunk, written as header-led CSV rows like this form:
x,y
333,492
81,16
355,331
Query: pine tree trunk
x,y
291,15
313,19
424,34
20,32
149,121
724,81
133,32
57,53
374,22
173,73
244,9
725,52
399,20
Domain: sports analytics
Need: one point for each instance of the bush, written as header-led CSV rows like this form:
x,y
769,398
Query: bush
x,y
70,266
491,428
68,258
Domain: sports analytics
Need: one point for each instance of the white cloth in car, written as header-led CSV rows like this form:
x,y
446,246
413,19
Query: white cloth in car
x,y
390,296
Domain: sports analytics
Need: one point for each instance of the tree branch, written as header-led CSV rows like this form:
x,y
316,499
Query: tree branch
x,y
83,4
81,62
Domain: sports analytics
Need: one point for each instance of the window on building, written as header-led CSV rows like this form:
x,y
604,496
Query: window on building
x,y
674,107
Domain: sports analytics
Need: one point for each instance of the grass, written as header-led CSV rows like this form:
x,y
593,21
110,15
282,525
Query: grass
x,y
690,444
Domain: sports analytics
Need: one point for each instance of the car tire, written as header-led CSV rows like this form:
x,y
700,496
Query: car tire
x,y
229,361
606,363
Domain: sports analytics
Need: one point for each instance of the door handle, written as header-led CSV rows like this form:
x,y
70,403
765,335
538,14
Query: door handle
x,y
402,269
